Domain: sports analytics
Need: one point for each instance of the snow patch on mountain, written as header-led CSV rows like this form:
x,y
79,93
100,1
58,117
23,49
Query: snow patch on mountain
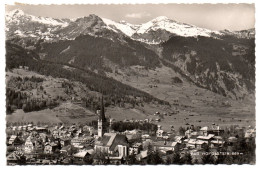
x,y
49,21
19,33
126,28
159,23
17,15
181,29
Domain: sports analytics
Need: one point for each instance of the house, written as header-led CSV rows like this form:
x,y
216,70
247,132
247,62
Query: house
x,y
200,144
43,137
19,128
78,142
61,127
160,133
142,156
65,150
240,130
164,146
15,158
14,128
195,143
89,129
146,137
188,133
48,148
82,156
194,134
179,139
65,141
250,133
157,120
217,142
112,144
191,143
79,133
24,127
216,130
41,129
135,149
14,140
206,138
232,140
134,131
29,145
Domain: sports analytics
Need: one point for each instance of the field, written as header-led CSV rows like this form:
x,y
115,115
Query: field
x,y
196,106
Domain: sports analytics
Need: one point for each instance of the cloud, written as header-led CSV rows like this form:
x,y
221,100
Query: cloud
x,y
138,15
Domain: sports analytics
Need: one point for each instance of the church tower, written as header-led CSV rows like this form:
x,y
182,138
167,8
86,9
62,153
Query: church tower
x,y
102,125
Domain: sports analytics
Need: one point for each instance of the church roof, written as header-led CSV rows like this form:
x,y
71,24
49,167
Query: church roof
x,y
111,140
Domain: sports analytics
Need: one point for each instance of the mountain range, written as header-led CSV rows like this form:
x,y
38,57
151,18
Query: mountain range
x,y
220,61
153,32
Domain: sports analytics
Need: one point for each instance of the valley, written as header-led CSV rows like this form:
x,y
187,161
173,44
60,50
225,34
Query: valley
x,y
186,74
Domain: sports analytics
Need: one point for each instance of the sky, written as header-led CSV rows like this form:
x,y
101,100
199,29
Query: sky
x,y
210,16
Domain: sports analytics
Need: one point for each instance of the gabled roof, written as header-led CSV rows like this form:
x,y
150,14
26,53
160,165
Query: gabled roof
x,y
111,140
174,144
192,141
143,154
200,142
104,140
13,136
119,140
211,128
218,142
188,131
66,148
82,154
163,143
12,156
206,137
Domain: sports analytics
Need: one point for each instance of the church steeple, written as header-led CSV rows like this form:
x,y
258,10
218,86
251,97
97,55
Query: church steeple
x,y
102,125
102,110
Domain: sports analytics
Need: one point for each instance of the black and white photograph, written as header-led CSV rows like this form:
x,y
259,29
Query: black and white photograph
x,y
130,84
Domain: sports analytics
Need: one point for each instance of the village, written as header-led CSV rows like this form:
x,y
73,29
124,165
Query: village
x,y
91,144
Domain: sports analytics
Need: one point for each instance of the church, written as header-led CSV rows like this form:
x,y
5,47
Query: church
x,y
103,125
114,145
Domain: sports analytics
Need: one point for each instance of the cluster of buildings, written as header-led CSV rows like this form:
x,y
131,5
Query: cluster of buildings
x,y
73,144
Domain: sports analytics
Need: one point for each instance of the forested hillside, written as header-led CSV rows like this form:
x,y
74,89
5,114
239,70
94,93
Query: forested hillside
x,y
221,65
89,51
116,91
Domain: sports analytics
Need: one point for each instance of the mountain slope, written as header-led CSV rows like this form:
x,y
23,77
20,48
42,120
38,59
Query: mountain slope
x,y
222,62
224,66
116,91
91,52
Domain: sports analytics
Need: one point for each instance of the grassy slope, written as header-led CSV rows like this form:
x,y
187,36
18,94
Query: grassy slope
x,y
203,104
68,111
206,106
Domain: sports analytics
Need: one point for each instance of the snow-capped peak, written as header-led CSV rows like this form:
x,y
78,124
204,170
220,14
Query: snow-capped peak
x,y
17,14
125,27
154,31
172,26
161,18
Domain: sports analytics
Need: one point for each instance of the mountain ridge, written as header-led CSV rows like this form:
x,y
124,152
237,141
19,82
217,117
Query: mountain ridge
x,y
141,32
91,42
